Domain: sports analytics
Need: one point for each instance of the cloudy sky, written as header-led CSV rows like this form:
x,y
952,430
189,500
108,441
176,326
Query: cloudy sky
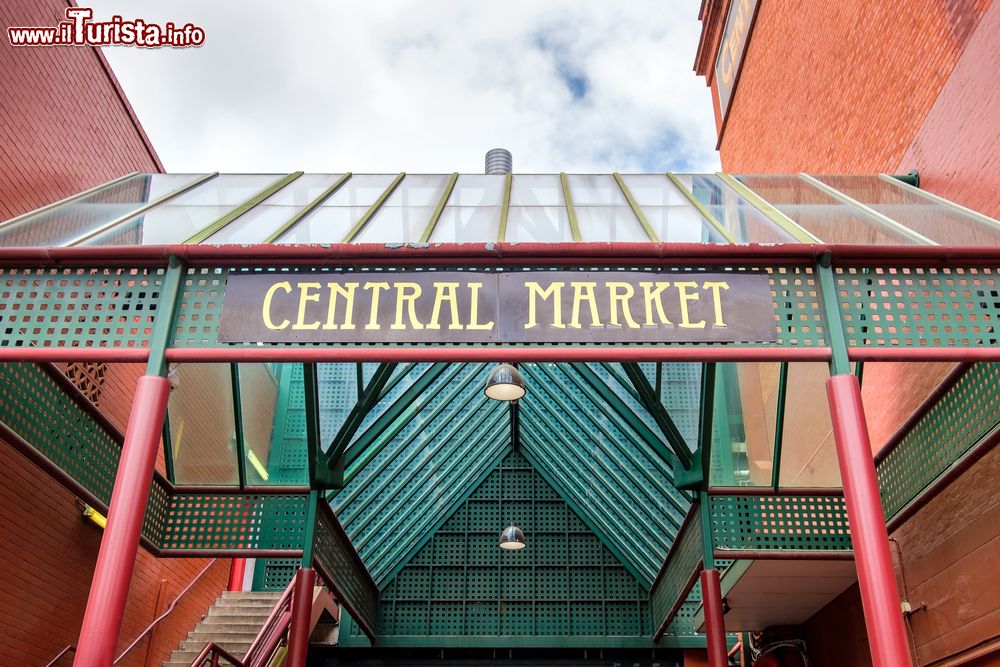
x,y
428,86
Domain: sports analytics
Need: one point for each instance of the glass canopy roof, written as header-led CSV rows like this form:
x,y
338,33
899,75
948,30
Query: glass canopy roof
x,y
162,209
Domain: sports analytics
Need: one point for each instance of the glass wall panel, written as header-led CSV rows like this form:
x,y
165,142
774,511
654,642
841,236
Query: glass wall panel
x,y
326,224
595,190
162,225
69,221
541,224
338,394
808,451
744,418
737,215
264,428
944,224
478,190
819,213
609,223
467,224
653,190
202,426
536,190
396,224
255,225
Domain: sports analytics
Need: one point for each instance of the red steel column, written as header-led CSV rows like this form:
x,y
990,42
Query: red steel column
x,y
715,626
102,622
236,572
298,631
876,577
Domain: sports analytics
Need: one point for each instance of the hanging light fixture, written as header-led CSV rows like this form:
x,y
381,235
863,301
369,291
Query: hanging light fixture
x,y
512,538
505,383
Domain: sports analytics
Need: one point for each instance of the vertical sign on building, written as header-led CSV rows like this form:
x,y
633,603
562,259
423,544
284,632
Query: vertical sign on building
x,y
735,36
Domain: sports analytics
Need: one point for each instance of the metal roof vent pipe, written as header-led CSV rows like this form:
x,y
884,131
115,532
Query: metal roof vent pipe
x,y
499,161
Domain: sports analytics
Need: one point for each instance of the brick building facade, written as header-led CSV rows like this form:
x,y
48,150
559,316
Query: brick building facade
x,y
866,87
66,126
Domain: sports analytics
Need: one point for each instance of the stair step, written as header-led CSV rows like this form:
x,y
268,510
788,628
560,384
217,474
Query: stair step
x,y
251,595
230,603
227,629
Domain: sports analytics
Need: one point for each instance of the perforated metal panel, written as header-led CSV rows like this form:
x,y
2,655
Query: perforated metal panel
x,y
793,523
565,583
78,307
335,556
274,574
235,521
968,412
920,306
683,562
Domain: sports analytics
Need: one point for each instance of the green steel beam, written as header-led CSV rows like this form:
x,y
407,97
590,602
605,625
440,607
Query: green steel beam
x,y
352,507
639,215
869,212
307,209
623,381
320,476
168,450
541,459
406,407
659,382
707,546
659,413
309,538
67,200
633,516
931,197
445,194
473,481
779,426
439,468
568,200
623,410
163,320
859,370
504,209
373,209
214,227
791,227
454,478
705,213
840,364
241,456
368,397
357,464
91,233
359,380
601,437
697,477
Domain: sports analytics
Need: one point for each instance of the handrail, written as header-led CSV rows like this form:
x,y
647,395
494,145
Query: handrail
x,y
68,649
216,651
167,611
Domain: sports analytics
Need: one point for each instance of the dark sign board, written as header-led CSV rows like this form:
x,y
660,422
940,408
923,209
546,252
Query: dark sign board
x,y
731,49
502,307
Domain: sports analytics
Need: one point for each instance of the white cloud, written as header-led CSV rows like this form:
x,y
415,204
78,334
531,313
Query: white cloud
x,y
566,85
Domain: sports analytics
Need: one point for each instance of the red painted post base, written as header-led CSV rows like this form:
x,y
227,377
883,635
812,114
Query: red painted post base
x,y
298,631
876,577
715,626
236,573
102,621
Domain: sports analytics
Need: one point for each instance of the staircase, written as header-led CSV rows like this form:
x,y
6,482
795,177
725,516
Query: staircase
x,y
233,623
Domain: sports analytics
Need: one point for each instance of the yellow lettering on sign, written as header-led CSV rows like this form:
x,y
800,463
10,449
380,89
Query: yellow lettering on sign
x,y
554,290
682,292
651,297
406,295
584,291
266,309
717,300
621,300
304,298
376,289
445,292
474,324
347,291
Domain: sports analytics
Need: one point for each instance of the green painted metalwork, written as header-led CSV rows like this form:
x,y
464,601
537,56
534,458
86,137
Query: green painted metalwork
x,y
289,462
460,585
648,396
436,215
784,523
779,426
87,307
570,211
274,574
312,530
913,306
369,396
241,456
214,227
307,209
840,363
370,213
636,209
235,521
964,416
166,309
678,574
342,568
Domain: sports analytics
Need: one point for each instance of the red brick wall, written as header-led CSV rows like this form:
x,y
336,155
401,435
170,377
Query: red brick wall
x,y
66,126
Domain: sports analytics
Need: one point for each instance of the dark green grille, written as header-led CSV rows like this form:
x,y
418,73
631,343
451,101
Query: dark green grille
x,y
235,521
786,523
682,565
